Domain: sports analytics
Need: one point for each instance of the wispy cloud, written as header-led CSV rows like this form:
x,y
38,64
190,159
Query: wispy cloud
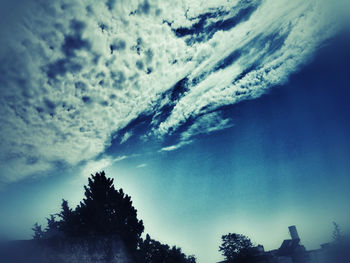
x,y
273,43
126,137
141,165
205,124
95,166
208,123
121,158
175,146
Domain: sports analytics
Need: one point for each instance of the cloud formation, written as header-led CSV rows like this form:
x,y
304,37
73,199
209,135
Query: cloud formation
x,y
73,73
95,166
126,137
142,165
204,124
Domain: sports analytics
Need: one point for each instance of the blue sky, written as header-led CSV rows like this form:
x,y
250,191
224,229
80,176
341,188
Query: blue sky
x,y
217,117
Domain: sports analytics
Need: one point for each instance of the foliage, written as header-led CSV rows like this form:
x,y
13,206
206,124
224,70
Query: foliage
x,y
105,212
337,235
237,248
152,251
338,250
38,232
69,223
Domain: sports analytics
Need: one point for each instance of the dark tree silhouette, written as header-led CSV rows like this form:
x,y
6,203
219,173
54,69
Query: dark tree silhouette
x,y
53,229
152,251
237,248
338,250
38,232
337,235
106,211
69,223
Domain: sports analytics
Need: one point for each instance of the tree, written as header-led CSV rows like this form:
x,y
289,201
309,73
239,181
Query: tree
x,y
53,229
337,235
237,248
152,251
106,211
69,223
339,250
38,232
50,231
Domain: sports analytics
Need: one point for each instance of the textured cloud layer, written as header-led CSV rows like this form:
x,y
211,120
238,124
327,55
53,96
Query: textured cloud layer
x,y
72,73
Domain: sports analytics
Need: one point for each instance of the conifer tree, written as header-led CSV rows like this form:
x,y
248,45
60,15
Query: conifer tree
x,y
107,211
38,232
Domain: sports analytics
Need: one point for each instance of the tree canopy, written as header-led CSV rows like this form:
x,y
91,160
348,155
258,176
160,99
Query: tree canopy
x,y
152,251
105,211
236,248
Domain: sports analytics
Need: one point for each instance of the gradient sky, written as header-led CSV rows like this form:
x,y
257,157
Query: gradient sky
x,y
215,116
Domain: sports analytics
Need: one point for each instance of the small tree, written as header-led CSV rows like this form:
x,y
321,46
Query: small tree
x,y
38,232
339,250
70,221
152,251
337,236
236,248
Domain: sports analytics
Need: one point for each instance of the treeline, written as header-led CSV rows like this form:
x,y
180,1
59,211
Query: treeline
x,y
106,215
107,212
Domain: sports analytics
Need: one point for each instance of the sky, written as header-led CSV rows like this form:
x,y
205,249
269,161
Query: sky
x,y
215,116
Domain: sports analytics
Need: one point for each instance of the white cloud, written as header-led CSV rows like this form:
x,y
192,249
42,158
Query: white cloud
x,y
205,124
95,166
141,165
73,73
126,137
13,171
175,146
121,158
278,38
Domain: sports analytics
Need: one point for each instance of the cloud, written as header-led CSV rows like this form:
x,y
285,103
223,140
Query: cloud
x,y
205,124
73,73
175,146
121,158
126,137
141,165
95,166
13,171
277,39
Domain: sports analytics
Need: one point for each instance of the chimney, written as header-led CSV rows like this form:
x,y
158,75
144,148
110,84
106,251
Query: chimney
x,y
293,233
